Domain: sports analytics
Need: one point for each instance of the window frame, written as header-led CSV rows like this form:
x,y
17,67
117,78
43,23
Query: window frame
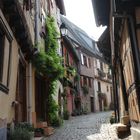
x,y
9,36
1,54
99,86
85,80
89,82
107,88
85,60
89,62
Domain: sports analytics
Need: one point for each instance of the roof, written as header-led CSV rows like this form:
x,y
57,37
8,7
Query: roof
x,y
104,45
87,44
101,10
60,4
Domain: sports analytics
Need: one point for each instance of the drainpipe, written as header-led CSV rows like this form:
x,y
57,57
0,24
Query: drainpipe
x,y
30,76
113,68
36,21
30,92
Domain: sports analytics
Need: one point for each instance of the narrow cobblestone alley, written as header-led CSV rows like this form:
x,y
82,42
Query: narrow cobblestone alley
x,y
87,127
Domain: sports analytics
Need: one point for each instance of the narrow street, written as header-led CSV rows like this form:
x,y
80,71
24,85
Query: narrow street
x,y
62,60
86,127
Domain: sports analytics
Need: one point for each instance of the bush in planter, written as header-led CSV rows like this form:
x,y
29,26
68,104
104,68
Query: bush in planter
x,y
21,134
112,119
85,110
56,121
106,108
39,132
111,106
22,131
74,112
25,125
66,114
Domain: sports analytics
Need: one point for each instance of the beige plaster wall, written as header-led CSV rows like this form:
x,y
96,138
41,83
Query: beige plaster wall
x,y
103,90
6,110
86,70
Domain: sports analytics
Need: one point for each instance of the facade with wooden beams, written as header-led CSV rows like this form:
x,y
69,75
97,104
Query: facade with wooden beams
x,y
89,70
21,89
122,19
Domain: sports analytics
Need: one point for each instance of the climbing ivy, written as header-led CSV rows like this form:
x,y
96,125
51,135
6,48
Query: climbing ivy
x,y
48,64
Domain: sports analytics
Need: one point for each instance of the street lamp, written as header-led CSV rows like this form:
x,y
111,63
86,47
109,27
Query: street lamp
x,y
63,30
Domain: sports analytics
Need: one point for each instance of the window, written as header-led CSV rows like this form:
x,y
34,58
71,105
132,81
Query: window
x,y
89,63
5,54
67,58
5,51
99,86
96,62
107,89
89,81
111,92
82,61
81,80
1,52
85,81
85,60
101,65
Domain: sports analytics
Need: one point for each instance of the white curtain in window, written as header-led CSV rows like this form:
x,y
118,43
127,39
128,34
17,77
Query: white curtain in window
x,y
82,60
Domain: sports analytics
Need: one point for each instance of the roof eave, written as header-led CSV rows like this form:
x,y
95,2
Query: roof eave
x,y
101,18
61,6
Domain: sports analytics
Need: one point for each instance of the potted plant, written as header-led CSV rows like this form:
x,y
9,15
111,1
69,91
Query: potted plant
x,y
66,114
20,133
39,132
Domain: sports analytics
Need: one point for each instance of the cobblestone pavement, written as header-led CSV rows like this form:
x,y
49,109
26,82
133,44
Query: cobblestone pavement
x,y
94,126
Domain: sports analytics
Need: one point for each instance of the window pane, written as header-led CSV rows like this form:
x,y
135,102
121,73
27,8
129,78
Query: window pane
x,y
82,60
85,60
89,63
89,82
1,53
6,61
99,86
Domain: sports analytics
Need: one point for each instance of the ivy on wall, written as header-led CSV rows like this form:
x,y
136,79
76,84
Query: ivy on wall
x,y
48,64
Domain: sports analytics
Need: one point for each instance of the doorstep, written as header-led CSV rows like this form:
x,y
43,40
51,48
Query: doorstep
x,y
38,138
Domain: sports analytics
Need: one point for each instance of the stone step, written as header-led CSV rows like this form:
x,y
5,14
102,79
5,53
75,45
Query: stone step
x,y
37,138
48,131
120,127
41,124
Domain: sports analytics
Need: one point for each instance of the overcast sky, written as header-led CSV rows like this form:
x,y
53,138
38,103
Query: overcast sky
x,y
80,12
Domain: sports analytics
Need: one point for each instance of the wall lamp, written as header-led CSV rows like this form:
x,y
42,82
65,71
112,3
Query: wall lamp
x,y
63,30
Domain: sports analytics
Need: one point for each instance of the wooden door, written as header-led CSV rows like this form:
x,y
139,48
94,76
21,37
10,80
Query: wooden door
x,y
92,104
129,74
21,108
40,98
